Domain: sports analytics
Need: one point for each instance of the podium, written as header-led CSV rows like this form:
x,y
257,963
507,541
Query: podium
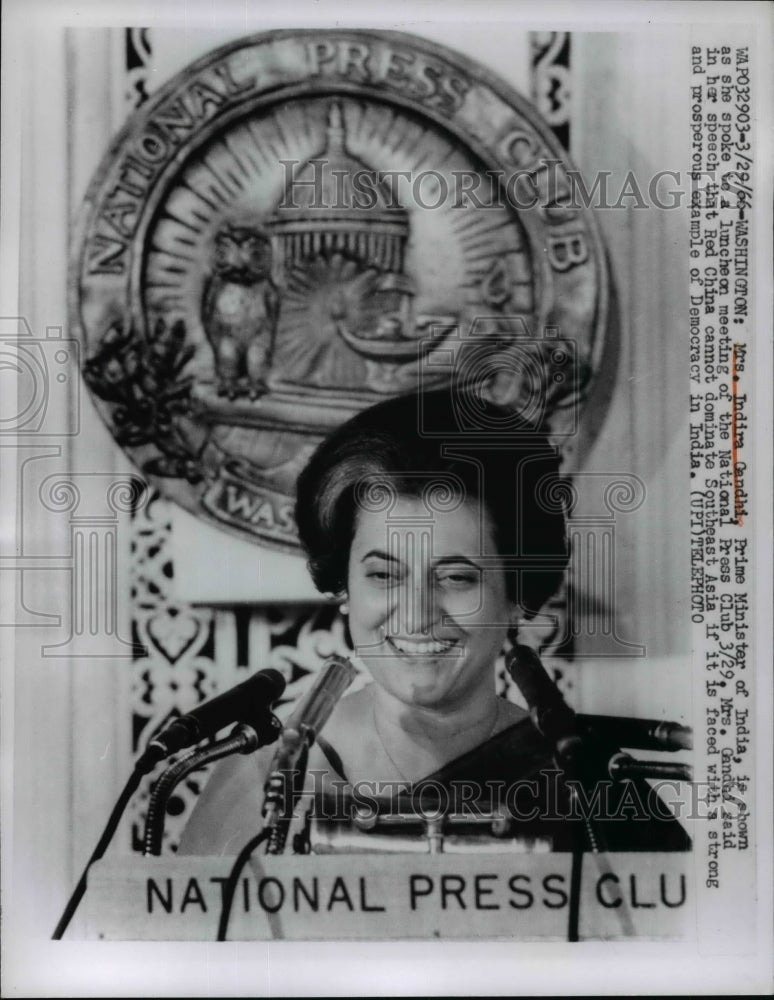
x,y
516,897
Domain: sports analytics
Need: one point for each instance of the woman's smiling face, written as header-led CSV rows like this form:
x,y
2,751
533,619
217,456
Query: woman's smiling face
x,y
428,606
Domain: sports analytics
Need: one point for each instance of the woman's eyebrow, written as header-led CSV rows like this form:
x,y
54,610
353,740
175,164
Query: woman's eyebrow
x,y
379,554
444,560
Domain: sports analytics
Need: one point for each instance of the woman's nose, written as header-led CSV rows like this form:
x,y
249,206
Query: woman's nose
x,y
419,608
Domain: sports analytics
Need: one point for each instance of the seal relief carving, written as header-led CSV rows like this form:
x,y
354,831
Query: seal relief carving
x,y
304,222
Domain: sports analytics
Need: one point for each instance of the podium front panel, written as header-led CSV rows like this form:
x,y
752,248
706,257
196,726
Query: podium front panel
x,y
401,897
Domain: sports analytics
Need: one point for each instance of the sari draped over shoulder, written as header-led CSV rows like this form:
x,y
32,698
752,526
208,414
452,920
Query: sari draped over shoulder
x,y
508,794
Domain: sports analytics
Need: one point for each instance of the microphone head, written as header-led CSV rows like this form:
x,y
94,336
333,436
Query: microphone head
x,y
248,702
258,693
273,682
550,712
316,705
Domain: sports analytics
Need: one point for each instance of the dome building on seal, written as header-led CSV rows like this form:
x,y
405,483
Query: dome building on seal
x,y
323,213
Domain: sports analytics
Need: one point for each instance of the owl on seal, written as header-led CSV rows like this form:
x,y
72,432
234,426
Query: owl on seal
x,y
240,308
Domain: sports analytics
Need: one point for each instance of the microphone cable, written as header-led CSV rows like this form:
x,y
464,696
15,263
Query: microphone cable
x,y
267,833
229,889
244,740
102,845
558,723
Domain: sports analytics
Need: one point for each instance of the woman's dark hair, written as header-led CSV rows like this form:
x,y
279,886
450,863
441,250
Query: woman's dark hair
x,y
438,444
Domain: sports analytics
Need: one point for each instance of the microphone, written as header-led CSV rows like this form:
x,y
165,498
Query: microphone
x,y
639,734
559,723
299,733
313,711
247,702
550,712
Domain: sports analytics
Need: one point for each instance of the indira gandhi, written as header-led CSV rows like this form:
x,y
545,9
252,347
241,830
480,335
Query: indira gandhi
x,y
430,518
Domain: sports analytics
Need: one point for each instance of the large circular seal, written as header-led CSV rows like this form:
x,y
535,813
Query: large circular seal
x,y
303,222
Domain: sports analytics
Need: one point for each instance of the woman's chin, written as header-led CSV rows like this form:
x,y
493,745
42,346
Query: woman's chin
x,y
423,682
428,687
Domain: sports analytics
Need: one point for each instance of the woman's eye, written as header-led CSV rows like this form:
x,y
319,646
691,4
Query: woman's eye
x,y
381,575
459,579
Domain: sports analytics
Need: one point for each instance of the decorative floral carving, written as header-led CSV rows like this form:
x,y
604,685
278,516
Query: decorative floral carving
x,y
144,381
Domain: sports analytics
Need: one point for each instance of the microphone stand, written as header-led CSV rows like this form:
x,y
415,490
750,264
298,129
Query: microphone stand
x,y
298,735
588,747
278,806
244,740
279,809
143,765
575,753
290,762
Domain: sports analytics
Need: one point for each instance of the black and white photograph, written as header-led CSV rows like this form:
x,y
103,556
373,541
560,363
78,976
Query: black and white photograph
x,y
385,438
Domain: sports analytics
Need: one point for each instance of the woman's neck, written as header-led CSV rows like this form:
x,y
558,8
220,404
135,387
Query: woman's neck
x,y
418,740
428,725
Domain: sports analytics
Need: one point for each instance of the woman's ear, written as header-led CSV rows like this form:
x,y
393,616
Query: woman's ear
x,y
344,606
516,616
515,619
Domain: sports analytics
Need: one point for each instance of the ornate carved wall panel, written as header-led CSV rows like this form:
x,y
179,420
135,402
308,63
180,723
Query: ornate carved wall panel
x,y
551,81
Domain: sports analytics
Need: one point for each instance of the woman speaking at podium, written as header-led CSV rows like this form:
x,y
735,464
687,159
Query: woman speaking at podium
x,y
430,518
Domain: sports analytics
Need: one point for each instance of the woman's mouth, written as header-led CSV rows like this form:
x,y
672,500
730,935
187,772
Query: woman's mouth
x,y
422,648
